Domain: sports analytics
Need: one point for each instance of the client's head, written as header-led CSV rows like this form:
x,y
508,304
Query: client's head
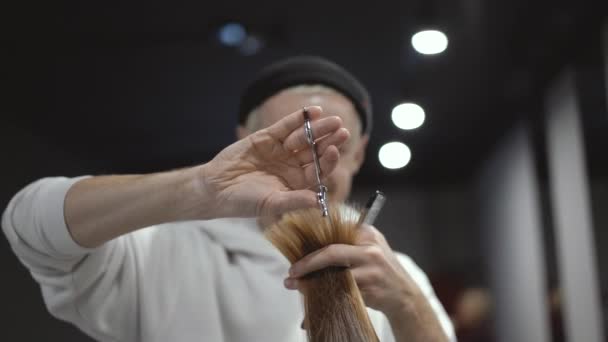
x,y
292,84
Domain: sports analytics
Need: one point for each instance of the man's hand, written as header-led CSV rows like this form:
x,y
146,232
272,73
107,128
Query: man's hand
x,y
270,171
384,284
266,173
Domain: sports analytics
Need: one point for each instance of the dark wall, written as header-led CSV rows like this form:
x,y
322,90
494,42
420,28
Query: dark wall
x,y
24,315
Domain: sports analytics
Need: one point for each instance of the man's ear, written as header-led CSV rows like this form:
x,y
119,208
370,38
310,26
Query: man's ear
x,y
360,152
241,132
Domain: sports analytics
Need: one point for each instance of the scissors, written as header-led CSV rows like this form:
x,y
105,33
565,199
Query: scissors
x,y
321,188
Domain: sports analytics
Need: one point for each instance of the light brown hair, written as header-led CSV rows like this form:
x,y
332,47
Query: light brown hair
x,y
334,308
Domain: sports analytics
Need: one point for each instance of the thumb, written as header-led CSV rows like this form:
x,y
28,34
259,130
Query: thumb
x,y
283,201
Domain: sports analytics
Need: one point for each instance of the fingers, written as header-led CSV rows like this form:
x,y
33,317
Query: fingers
x,y
320,128
370,235
363,276
284,127
365,263
283,201
291,283
338,138
332,255
328,162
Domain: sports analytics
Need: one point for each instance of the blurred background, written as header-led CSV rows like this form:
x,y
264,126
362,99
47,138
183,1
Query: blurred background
x,y
495,111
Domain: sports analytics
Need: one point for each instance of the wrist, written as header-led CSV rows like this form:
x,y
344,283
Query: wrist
x,y
192,194
406,307
415,320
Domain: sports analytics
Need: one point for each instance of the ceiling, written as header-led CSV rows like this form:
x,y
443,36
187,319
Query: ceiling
x,y
136,88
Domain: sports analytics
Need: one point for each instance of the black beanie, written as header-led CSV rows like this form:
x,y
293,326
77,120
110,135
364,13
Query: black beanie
x,y
306,70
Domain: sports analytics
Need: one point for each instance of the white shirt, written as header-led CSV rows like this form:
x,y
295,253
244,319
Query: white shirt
x,y
217,280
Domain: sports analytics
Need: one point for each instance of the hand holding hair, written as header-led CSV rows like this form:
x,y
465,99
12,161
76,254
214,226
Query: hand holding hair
x,y
334,308
320,252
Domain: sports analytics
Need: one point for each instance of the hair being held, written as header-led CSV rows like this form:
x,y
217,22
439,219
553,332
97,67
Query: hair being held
x,y
334,308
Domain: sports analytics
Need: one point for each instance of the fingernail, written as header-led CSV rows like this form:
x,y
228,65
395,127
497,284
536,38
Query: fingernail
x,y
317,107
305,112
289,283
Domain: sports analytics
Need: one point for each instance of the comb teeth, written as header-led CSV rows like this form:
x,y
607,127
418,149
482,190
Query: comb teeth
x,y
374,205
373,212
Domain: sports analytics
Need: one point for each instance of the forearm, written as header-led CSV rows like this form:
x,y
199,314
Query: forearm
x,y
99,209
416,322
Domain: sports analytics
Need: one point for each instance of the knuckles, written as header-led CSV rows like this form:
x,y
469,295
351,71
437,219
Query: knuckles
x,y
371,234
375,276
374,253
332,253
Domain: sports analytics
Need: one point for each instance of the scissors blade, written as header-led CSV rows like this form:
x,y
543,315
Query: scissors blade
x,y
321,188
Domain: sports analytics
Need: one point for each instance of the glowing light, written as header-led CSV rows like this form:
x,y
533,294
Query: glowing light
x,y
232,34
430,42
394,155
251,45
408,116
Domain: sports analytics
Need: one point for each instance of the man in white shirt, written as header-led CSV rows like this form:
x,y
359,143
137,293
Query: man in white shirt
x,y
155,258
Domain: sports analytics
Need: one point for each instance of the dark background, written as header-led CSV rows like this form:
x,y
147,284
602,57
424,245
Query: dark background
x,y
101,88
